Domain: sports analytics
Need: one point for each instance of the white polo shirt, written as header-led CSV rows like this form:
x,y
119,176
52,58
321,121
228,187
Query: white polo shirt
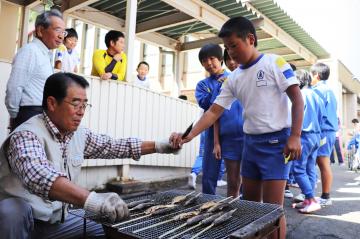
x,y
260,87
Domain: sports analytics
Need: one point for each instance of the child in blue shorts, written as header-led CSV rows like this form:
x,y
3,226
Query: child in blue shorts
x,y
229,127
304,169
263,84
320,73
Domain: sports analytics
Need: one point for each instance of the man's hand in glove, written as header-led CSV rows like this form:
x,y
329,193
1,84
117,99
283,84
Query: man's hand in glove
x,y
108,205
164,147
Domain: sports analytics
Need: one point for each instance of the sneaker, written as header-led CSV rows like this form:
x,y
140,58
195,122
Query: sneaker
x,y
299,198
192,181
311,207
341,164
324,202
288,194
301,205
221,183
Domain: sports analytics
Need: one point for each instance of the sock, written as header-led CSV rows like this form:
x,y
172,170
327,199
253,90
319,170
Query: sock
x,y
325,195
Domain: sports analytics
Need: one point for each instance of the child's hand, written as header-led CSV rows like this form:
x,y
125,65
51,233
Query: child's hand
x,y
117,57
106,76
293,147
217,151
176,139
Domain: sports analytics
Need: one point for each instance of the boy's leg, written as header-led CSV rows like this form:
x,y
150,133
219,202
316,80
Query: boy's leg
x,y
332,157
233,177
222,170
197,166
71,228
16,220
211,168
252,189
273,192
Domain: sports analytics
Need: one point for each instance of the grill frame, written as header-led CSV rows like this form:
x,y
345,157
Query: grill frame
x,y
263,220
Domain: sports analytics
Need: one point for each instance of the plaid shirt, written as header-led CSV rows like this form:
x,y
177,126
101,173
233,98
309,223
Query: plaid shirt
x,y
28,160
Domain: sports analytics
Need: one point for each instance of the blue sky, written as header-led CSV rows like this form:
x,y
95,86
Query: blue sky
x,y
334,24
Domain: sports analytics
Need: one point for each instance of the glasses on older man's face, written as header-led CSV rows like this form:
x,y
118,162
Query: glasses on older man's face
x,y
78,105
60,31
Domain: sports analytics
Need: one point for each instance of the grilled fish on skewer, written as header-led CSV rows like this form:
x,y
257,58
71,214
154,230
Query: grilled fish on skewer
x,y
192,200
181,198
210,204
219,207
189,222
143,206
182,216
135,203
225,217
152,209
204,222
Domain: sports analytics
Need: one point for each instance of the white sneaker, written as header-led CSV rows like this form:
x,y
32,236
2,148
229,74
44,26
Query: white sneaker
x,y
324,202
192,181
221,183
299,198
288,194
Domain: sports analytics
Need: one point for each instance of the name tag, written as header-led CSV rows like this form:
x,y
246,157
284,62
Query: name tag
x,y
260,83
273,141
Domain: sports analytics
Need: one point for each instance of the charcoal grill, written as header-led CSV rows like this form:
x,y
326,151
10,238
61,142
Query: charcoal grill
x,y
251,220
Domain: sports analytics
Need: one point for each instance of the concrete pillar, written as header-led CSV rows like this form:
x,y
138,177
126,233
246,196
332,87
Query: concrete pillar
x,y
351,108
179,70
130,28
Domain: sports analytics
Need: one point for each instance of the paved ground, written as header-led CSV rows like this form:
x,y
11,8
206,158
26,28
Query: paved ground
x,y
341,220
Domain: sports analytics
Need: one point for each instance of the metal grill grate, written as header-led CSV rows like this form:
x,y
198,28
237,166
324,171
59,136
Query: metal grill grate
x,y
247,213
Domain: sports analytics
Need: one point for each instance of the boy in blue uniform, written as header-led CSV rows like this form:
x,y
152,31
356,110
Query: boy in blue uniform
x,y
305,168
230,125
320,74
263,84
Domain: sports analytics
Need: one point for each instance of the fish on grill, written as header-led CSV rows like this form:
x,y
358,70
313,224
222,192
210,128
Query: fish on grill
x,y
155,208
207,205
135,203
186,215
192,200
196,219
219,207
143,206
211,219
181,198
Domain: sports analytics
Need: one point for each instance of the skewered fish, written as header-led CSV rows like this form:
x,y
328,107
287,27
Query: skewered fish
x,y
181,198
207,205
211,219
198,218
153,209
143,206
135,203
192,200
186,215
219,207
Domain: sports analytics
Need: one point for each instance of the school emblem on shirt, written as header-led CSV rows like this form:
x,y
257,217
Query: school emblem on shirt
x,y
260,81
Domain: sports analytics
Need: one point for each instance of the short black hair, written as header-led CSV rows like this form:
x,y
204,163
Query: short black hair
x,y
355,121
321,69
71,32
209,50
303,77
113,35
241,26
226,56
143,63
293,67
57,84
183,97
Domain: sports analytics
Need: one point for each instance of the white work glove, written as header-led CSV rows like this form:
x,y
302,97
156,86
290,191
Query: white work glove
x,y
164,147
108,205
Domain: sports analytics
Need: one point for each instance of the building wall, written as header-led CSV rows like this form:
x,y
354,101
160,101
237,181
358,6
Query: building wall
x,y
9,20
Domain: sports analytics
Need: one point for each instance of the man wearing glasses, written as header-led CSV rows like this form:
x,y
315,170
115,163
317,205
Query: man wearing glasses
x,y
41,160
31,67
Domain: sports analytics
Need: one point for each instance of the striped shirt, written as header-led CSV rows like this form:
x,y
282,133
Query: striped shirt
x,y
31,67
27,157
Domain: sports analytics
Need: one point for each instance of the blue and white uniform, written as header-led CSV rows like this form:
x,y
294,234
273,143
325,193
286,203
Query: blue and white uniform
x,y
230,132
260,87
330,126
305,167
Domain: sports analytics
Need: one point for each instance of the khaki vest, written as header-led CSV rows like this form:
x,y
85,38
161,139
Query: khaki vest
x,y
11,186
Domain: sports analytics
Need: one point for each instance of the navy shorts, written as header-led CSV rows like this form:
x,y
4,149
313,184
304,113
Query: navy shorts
x,y
263,157
325,150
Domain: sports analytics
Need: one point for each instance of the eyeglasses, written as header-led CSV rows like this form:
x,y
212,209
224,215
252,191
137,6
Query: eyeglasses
x,y
60,31
78,105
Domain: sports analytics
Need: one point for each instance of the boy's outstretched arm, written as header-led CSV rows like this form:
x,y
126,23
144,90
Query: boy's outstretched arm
x,y
293,144
206,120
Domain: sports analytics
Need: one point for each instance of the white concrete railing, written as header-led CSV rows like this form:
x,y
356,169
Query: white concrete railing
x,y
124,110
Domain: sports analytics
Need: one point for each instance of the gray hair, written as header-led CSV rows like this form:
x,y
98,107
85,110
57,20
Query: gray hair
x,y
44,18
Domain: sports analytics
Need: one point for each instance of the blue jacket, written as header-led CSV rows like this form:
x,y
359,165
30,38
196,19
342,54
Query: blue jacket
x,y
231,131
329,100
314,110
